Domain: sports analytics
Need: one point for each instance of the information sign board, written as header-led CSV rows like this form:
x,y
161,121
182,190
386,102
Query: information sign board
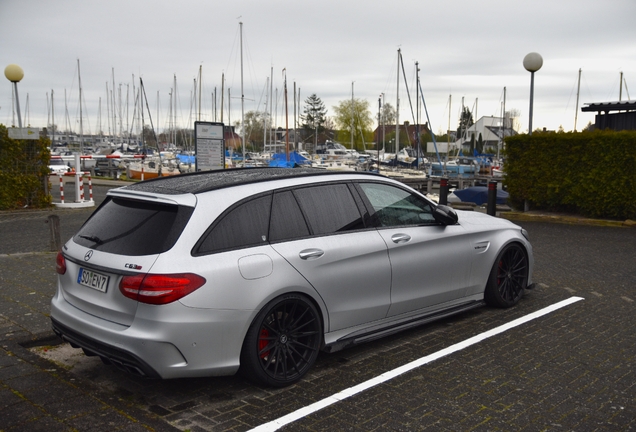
x,y
26,133
209,146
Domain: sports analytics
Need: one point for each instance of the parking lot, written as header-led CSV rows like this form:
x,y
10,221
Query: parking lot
x,y
570,369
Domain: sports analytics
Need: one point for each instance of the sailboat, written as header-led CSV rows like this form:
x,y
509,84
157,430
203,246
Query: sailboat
x,y
152,167
148,169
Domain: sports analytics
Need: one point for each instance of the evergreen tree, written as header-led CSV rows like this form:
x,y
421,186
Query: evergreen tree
x,y
465,121
314,116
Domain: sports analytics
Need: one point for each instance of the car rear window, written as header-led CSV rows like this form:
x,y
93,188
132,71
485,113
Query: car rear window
x,y
242,226
130,227
287,222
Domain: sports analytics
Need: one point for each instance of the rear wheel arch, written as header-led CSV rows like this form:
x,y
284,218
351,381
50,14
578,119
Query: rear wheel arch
x,y
283,340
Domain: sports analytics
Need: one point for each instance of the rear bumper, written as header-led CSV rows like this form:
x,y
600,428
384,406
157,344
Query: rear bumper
x,y
169,341
109,354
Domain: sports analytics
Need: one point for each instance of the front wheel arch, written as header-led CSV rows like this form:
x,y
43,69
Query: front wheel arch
x,y
508,277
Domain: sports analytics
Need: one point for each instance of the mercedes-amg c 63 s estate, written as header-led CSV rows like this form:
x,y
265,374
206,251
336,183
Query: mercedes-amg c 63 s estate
x,y
259,269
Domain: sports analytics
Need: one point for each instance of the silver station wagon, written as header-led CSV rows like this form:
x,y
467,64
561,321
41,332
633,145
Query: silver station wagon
x,y
259,269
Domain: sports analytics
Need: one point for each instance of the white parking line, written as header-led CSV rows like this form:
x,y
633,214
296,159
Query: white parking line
x,y
310,409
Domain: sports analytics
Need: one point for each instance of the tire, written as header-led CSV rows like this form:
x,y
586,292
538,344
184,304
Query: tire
x,y
508,278
282,343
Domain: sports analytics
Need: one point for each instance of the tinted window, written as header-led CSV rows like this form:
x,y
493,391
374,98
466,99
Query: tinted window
x,y
129,227
244,225
287,220
396,207
329,208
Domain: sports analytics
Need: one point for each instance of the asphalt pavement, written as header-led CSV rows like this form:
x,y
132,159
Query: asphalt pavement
x,y
570,370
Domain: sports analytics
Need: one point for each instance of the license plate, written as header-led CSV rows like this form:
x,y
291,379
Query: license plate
x,y
92,279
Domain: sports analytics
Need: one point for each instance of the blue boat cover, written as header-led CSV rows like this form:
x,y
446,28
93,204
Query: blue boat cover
x,y
479,195
280,160
186,159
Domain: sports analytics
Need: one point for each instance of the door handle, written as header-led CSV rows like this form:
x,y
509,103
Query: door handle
x,y
309,254
400,238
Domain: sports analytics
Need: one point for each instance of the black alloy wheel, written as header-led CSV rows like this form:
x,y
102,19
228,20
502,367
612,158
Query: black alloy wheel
x,y
283,341
508,277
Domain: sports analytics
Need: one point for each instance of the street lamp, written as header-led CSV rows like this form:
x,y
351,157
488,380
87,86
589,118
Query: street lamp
x,y
14,73
532,62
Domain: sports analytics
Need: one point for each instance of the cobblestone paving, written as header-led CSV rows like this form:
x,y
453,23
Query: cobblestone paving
x,y
569,370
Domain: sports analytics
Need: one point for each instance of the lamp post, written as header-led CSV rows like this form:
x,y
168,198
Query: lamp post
x,y
532,62
14,73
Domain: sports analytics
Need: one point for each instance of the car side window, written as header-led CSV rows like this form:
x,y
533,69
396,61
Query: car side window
x,y
394,206
244,225
329,208
287,221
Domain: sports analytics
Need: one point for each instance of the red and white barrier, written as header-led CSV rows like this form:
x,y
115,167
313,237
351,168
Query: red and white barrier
x,y
72,157
79,202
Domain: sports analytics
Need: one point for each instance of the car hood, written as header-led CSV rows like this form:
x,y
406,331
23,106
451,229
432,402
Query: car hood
x,y
473,220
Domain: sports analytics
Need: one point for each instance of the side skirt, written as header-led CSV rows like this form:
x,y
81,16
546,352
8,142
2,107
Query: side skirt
x,y
382,330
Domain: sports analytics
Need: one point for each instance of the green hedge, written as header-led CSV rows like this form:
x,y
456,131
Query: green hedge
x,y
23,172
591,173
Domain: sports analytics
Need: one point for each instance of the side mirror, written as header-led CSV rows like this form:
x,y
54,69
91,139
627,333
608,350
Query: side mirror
x,y
445,215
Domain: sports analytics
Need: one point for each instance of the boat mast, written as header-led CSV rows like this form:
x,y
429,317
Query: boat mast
x,y
265,114
157,113
271,103
107,108
79,79
377,141
417,114
99,114
576,110
113,103
295,141
352,120
222,94
53,119
130,120
174,111
127,104
242,95
397,109
193,102
286,120
450,100
200,70
503,130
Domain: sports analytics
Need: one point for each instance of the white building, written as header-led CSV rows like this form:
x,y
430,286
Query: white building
x,y
491,131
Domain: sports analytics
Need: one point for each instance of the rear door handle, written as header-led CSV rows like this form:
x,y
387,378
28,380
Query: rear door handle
x,y
309,254
400,238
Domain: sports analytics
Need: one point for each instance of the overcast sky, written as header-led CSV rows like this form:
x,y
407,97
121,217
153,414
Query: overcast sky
x,y
470,49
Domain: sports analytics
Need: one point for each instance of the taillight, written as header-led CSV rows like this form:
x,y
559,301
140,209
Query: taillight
x,y
60,263
160,289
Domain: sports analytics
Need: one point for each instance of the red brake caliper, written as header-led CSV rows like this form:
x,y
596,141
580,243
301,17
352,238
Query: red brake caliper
x,y
501,272
263,342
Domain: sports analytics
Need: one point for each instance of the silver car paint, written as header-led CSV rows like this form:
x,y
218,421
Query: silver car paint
x,y
428,267
175,340
350,271
494,233
110,305
202,334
